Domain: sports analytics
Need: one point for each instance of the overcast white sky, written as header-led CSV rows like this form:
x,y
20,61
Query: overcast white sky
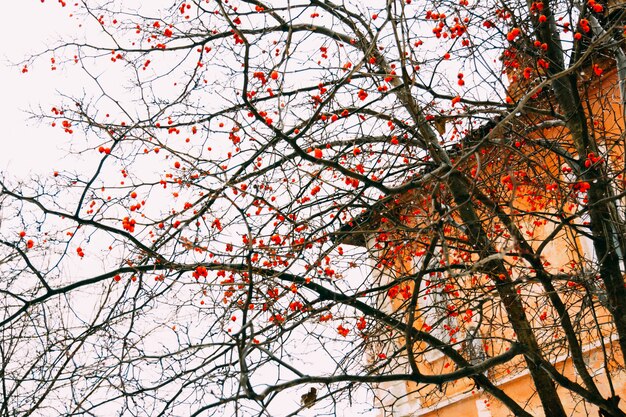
x,y
26,145
30,147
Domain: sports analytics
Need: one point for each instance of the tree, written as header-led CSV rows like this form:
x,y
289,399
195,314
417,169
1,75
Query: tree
x,y
280,190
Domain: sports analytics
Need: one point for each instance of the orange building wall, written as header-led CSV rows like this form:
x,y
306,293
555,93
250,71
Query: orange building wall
x,y
461,398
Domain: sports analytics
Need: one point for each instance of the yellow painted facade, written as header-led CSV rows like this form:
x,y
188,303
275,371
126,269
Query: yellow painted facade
x,y
462,398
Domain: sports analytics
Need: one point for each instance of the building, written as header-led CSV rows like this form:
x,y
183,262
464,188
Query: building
x,y
531,184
